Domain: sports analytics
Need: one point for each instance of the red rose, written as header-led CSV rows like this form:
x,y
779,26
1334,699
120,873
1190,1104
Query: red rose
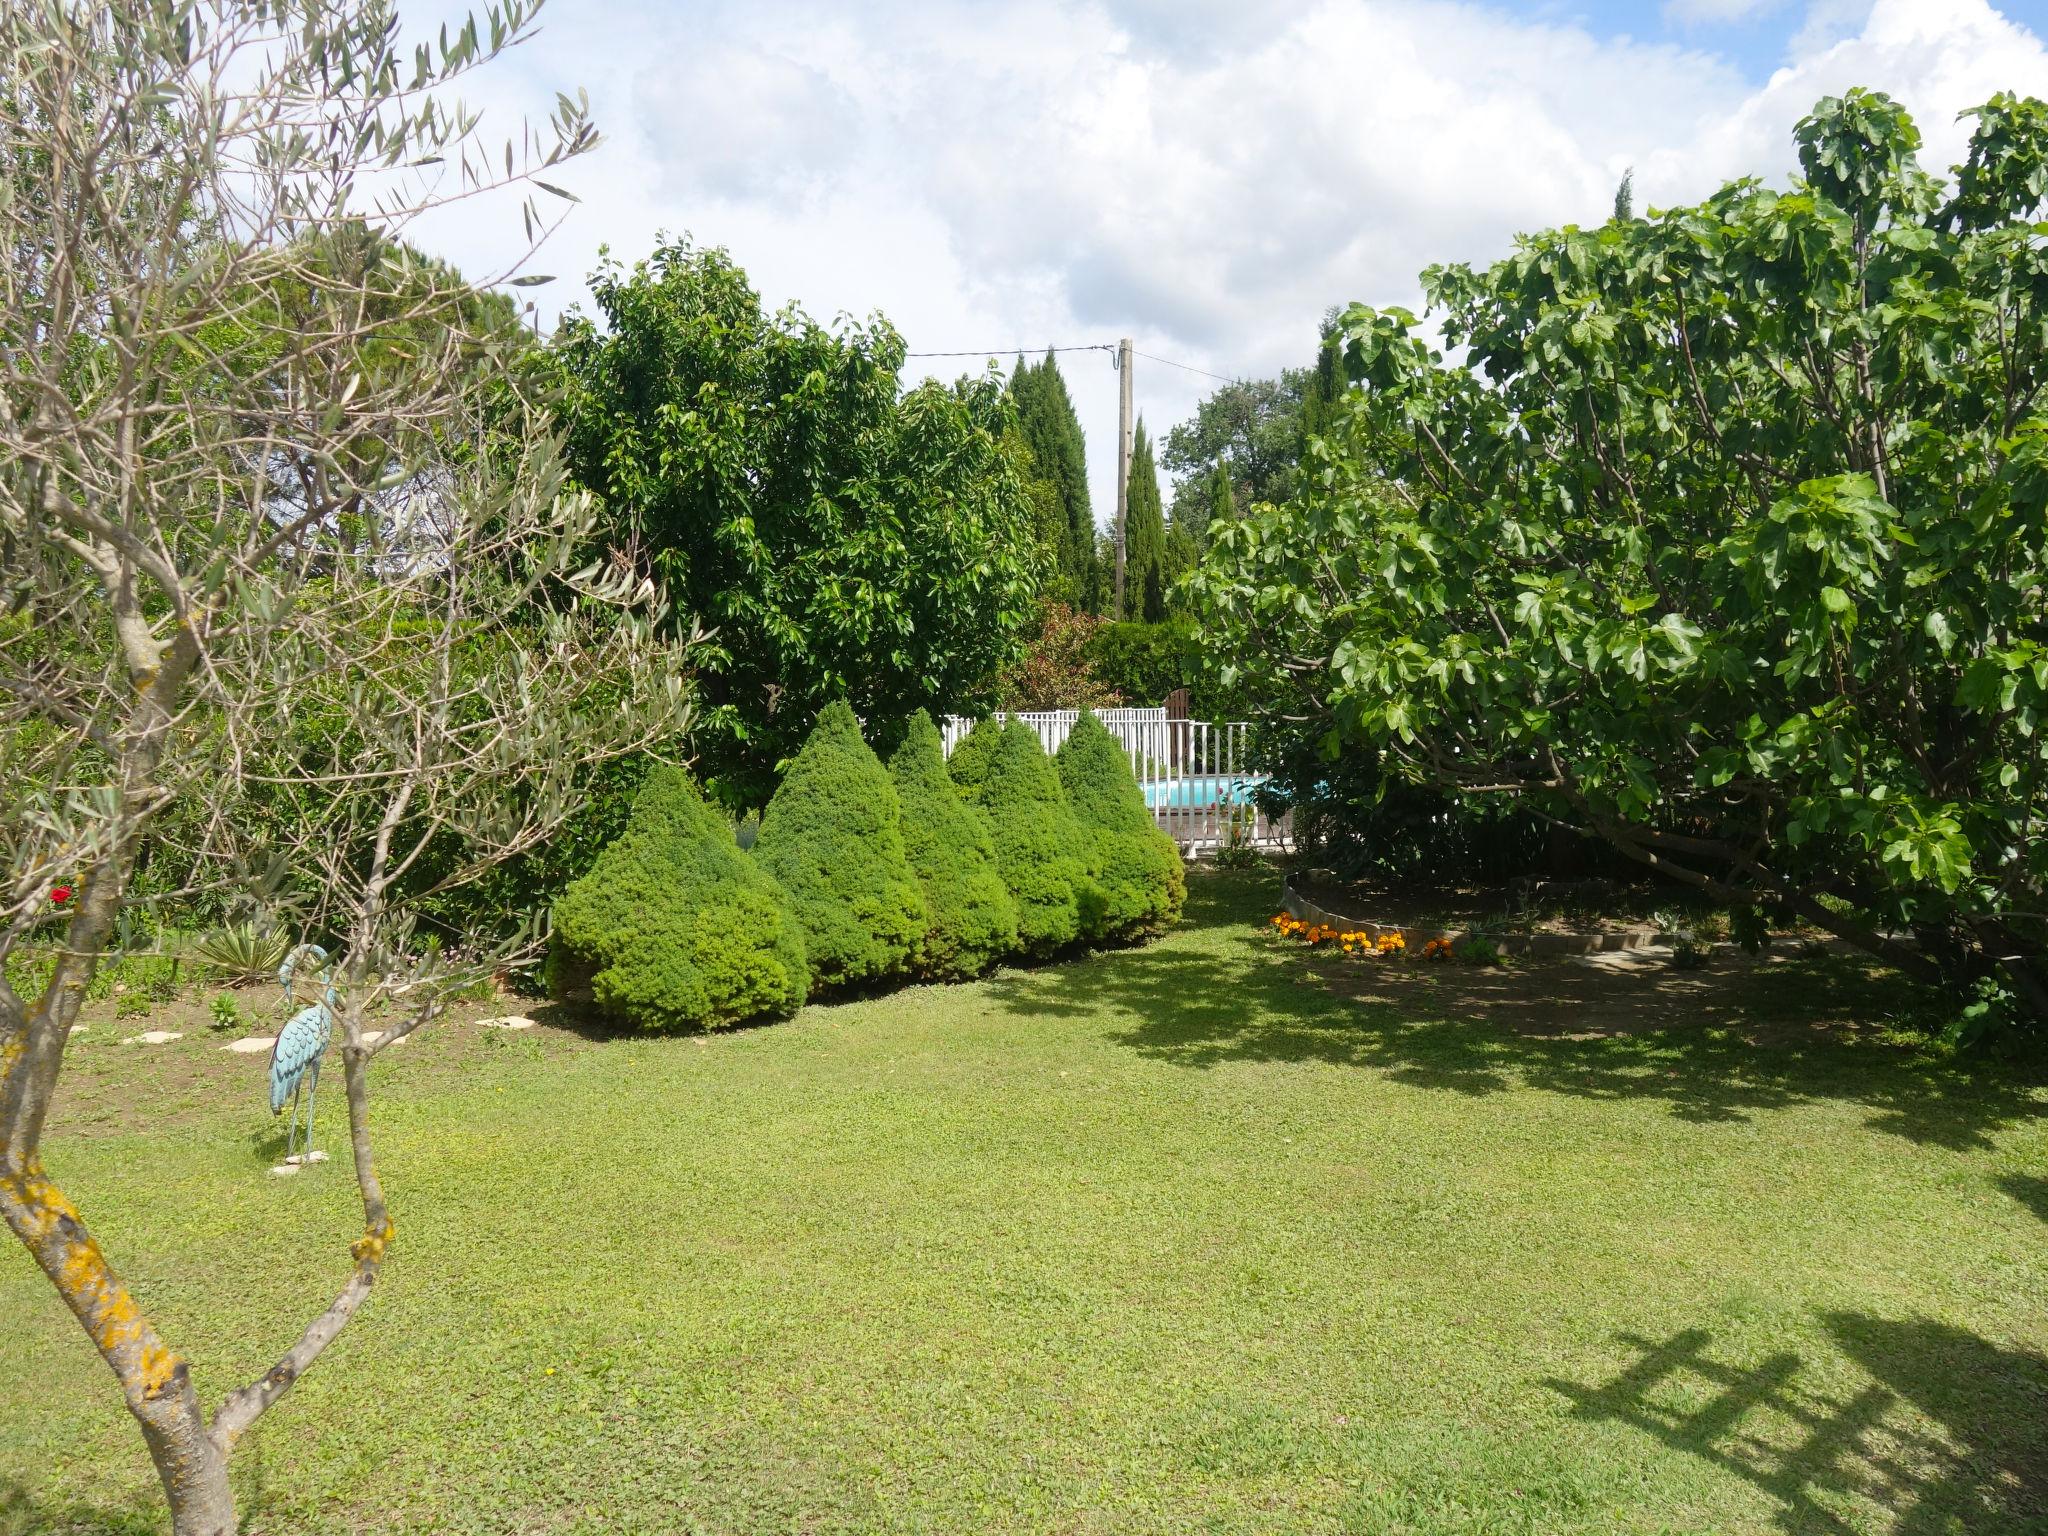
x,y
60,894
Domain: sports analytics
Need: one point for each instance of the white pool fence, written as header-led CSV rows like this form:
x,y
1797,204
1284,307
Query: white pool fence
x,y
1197,775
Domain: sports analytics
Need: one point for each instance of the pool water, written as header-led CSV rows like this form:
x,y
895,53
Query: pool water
x,y
1202,791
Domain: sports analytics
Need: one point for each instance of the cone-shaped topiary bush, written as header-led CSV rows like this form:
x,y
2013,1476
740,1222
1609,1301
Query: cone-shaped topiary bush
x,y
833,838
970,920
1041,852
673,928
968,765
1143,883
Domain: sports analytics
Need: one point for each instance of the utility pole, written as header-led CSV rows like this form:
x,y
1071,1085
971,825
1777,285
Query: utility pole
x,y
1123,460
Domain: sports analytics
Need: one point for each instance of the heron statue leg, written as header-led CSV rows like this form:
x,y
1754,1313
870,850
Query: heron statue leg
x,y
312,1088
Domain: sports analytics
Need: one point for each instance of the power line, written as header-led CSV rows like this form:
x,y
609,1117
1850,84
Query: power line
x,y
1092,346
1188,367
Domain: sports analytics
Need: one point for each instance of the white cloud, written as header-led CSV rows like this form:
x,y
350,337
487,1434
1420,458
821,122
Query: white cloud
x,y
1207,176
1711,12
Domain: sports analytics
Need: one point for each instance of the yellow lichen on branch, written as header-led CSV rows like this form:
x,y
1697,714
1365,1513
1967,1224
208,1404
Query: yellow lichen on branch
x,y
49,1224
369,1248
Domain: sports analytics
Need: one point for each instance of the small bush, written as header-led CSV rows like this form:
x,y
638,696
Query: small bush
x,y
1480,952
227,1013
149,976
832,836
1041,852
968,765
241,953
970,920
1239,856
1137,867
674,928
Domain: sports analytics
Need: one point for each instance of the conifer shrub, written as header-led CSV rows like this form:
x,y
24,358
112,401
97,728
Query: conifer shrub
x,y
1041,851
970,921
968,765
674,928
1138,869
832,837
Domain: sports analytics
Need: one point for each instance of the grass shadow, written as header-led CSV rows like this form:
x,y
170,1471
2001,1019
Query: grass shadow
x,y
1948,1433
1716,1044
22,1513
2031,1190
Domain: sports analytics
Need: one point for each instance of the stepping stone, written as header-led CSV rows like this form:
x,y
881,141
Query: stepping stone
x,y
375,1037
251,1045
301,1158
155,1037
509,1021
76,1029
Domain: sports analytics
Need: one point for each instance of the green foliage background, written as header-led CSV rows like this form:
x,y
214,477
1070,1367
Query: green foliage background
x,y
1722,541
841,539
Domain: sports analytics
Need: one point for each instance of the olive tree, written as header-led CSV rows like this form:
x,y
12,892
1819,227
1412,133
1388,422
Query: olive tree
x,y
259,467
1720,538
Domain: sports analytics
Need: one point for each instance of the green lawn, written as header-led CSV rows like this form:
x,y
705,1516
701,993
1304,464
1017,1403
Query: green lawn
x,y
1212,1236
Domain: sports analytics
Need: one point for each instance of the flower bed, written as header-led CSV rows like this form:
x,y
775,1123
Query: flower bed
x,y
1304,915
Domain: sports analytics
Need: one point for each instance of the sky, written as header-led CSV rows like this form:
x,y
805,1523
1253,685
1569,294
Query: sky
x,y
1206,177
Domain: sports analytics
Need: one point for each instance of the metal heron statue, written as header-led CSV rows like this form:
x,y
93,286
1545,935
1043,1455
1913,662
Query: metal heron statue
x,y
295,1059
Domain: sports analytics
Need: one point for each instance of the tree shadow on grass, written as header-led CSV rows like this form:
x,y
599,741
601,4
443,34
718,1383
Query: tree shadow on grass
x,y
1715,1044
22,1513
2029,1189
1949,1433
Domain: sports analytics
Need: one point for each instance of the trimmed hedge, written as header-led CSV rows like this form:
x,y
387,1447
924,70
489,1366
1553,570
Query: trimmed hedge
x,y
1143,882
1041,851
833,837
673,928
968,765
970,920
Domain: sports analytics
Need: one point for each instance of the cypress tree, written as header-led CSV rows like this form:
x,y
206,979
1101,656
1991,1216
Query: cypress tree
x,y
1144,537
1045,416
1222,498
1324,385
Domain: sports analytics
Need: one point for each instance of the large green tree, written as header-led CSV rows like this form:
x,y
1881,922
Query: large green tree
x,y
1145,573
1245,444
1059,452
1250,426
1722,541
834,536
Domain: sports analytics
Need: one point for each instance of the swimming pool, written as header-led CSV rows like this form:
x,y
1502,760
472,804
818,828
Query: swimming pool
x,y
1202,791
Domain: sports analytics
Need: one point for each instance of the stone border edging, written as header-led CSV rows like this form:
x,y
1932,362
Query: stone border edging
x,y
1550,945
